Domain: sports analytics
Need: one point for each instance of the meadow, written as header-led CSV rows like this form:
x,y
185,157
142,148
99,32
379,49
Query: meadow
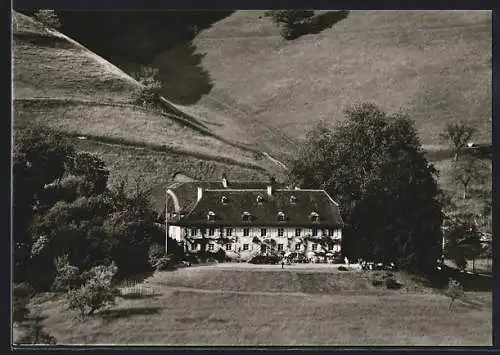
x,y
238,305
62,85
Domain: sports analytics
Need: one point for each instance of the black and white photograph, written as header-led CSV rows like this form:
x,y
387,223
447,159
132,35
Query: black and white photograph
x,y
253,178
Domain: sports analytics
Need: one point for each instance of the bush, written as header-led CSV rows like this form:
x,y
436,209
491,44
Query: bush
x,y
157,257
220,256
149,94
67,276
342,268
265,259
96,292
454,291
377,282
290,21
164,263
392,284
388,274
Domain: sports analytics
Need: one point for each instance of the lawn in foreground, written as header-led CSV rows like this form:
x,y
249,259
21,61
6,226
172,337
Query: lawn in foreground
x,y
184,316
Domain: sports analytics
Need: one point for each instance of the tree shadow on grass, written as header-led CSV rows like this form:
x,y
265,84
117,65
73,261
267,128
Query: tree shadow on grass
x,y
113,314
161,39
319,23
469,282
184,79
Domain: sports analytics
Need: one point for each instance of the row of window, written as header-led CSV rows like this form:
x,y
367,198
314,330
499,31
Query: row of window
x,y
246,216
298,246
263,232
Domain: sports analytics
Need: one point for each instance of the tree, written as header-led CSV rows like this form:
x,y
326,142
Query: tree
x,y
289,20
48,17
148,94
467,170
463,241
374,166
454,291
67,275
96,292
458,134
39,158
92,168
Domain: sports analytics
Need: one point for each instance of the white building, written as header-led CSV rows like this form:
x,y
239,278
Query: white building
x,y
248,218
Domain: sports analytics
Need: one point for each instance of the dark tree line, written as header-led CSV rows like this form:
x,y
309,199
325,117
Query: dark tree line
x,y
374,166
63,206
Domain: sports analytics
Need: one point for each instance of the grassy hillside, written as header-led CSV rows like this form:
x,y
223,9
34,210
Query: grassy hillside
x,y
436,66
62,85
274,307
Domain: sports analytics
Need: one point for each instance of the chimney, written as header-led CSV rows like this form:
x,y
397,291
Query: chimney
x,y
200,193
224,181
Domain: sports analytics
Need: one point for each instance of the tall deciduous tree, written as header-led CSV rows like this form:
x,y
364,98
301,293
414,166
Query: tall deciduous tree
x,y
468,170
373,164
458,134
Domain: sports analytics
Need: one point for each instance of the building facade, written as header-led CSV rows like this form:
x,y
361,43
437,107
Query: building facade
x,y
245,220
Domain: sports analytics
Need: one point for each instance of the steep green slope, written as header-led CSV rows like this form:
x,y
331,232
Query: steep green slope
x,y
60,84
436,66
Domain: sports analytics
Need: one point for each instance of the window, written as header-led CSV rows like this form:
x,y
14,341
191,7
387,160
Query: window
x,y
211,246
314,246
280,247
298,246
297,232
246,232
229,232
211,231
281,216
245,246
224,200
228,246
293,199
193,231
315,232
330,246
194,246
314,216
211,216
280,232
263,232
260,199
330,232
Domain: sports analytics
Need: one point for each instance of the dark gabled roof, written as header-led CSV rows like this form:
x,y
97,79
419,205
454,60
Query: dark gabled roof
x,y
187,191
265,213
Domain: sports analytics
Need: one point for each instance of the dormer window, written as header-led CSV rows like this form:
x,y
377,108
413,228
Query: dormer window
x,y
293,199
260,199
245,216
224,200
211,216
314,216
281,216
